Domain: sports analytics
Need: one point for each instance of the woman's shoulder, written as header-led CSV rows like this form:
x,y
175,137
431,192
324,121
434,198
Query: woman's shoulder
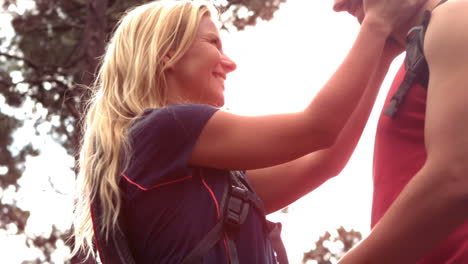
x,y
176,115
177,109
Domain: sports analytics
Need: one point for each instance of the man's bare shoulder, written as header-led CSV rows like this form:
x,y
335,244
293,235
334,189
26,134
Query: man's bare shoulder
x,y
446,50
446,40
452,7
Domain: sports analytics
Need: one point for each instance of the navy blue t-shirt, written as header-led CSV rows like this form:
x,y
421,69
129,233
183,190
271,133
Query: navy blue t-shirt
x,y
169,206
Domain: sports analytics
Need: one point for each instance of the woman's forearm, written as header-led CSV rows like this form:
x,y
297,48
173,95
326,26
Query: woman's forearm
x,y
309,172
336,101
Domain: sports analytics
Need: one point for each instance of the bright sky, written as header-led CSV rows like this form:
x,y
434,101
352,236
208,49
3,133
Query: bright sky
x,y
281,65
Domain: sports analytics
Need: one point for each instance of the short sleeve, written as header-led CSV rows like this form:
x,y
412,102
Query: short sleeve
x,y
162,141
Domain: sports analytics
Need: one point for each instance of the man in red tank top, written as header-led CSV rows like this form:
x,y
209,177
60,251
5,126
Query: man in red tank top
x,y
420,201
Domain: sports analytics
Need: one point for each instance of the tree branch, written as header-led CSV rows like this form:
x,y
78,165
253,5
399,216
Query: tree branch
x,y
52,185
14,57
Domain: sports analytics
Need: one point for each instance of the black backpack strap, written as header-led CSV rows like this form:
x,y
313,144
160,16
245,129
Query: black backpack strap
x,y
236,202
415,64
212,237
208,242
114,250
441,2
234,209
248,192
276,242
273,229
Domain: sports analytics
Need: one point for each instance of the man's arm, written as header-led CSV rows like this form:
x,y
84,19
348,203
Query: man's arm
x,y
281,185
434,203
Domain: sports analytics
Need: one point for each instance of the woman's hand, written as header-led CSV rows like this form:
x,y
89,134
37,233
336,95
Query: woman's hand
x,y
387,15
392,49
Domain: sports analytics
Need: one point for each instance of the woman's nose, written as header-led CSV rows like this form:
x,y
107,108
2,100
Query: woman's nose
x,y
228,64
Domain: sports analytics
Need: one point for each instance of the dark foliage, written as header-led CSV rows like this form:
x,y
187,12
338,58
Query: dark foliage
x,y
329,249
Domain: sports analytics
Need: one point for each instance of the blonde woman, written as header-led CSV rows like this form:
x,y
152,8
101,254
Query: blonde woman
x,y
163,167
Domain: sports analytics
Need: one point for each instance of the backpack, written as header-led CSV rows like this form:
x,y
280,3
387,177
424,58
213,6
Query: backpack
x,y
416,67
237,199
112,250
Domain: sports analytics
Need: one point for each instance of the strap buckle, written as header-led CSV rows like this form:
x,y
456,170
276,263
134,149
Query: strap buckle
x,y
237,208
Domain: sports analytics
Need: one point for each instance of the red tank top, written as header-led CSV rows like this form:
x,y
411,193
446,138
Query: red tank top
x,y
399,153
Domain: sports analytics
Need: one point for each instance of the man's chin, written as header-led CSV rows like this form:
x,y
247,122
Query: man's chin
x,y
340,5
220,104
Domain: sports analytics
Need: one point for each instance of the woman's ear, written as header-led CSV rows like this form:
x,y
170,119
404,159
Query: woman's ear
x,y
167,60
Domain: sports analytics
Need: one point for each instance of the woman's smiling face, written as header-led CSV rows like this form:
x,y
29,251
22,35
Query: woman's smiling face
x,y
201,72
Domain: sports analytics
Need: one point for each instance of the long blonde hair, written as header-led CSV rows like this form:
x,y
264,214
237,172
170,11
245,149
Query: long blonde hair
x,y
131,78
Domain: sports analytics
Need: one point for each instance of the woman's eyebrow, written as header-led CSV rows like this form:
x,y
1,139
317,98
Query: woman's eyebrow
x,y
216,36
213,35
